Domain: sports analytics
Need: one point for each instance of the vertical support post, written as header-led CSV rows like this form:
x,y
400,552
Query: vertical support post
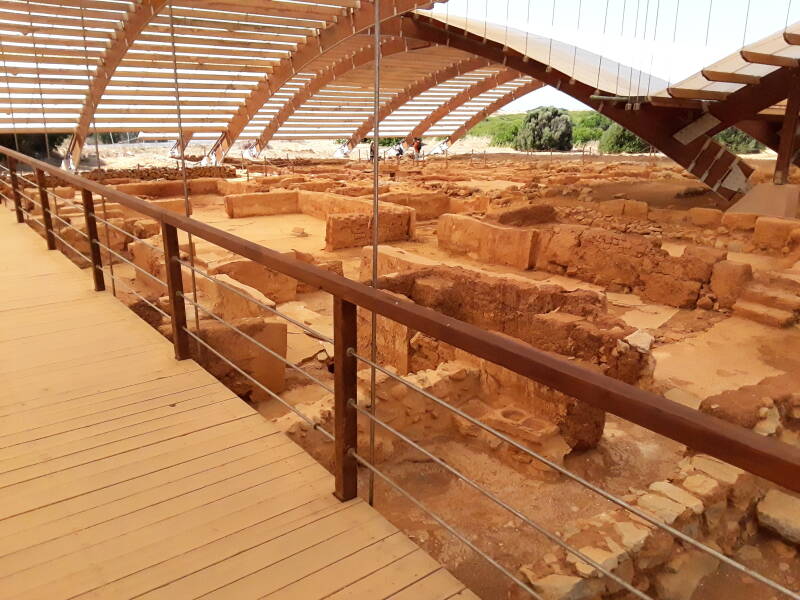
x,y
46,216
180,338
94,240
345,388
12,173
788,146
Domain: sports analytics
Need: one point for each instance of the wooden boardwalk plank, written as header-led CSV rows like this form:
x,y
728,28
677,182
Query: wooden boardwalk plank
x,y
125,473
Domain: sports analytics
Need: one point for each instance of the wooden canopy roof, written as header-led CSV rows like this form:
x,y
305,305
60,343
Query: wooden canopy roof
x,y
257,70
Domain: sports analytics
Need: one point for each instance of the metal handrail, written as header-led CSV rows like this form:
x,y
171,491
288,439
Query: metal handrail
x,y
762,456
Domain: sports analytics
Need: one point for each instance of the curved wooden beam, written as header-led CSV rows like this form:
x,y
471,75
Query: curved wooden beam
x,y
415,89
362,56
356,21
460,99
492,108
140,16
715,166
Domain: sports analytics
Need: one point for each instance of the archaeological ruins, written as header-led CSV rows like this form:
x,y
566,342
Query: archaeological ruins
x,y
586,364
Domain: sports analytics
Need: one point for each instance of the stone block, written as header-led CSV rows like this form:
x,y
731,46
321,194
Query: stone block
x,y
739,221
612,208
667,215
232,300
774,232
317,185
176,205
355,229
521,216
705,217
275,286
429,205
635,209
488,242
276,202
666,289
780,512
264,367
151,261
728,280
392,260
706,254
474,203
558,247
153,189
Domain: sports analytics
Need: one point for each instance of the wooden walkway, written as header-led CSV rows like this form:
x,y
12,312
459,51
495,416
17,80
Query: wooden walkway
x,y
127,474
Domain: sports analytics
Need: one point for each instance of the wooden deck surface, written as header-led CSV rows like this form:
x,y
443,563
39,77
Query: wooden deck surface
x,y
127,474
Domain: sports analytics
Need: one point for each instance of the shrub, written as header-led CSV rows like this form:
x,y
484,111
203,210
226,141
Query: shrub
x,y
738,141
588,126
616,139
545,128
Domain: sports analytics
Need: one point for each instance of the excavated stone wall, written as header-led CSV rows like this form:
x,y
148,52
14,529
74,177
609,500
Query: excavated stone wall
x,y
706,499
548,317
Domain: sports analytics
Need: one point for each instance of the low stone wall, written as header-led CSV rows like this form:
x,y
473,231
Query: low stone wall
x,y
355,230
169,188
253,204
488,242
708,500
621,262
429,205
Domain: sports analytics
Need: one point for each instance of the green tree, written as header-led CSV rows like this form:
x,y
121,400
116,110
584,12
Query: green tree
x,y
588,126
32,144
738,141
616,139
545,128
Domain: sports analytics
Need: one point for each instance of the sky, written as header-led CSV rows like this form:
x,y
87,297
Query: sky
x,y
671,39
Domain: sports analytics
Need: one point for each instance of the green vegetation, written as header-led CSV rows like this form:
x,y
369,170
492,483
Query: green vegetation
x,y
32,144
738,141
616,140
588,126
502,129
545,128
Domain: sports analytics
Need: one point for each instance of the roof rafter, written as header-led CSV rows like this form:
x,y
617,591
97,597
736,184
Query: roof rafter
x,y
355,22
137,20
415,89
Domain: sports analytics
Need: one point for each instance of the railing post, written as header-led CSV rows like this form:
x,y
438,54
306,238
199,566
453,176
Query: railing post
x,y
345,388
94,248
12,173
180,338
44,199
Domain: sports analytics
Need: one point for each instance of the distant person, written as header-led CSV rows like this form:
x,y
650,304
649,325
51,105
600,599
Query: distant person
x,y
372,150
398,150
417,146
